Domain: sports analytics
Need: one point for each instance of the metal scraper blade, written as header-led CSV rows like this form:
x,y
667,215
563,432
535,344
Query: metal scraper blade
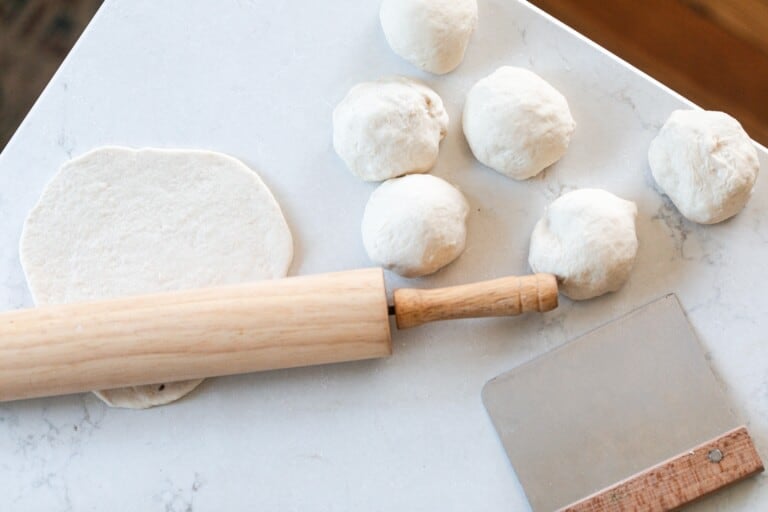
x,y
607,405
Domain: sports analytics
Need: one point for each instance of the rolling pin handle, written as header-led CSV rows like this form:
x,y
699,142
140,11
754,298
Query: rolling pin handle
x,y
506,296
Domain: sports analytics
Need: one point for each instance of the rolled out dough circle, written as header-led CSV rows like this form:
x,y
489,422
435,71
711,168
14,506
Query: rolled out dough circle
x,y
120,221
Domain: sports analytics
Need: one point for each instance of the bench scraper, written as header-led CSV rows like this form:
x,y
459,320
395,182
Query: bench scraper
x,y
626,417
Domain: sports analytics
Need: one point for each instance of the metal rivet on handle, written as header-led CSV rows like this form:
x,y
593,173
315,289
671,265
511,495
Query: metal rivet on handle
x,y
715,455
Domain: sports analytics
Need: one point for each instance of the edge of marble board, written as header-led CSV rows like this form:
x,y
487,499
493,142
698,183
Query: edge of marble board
x,y
525,3
642,74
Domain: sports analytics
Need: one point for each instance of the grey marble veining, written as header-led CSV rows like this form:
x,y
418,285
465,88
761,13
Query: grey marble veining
x,y
258,80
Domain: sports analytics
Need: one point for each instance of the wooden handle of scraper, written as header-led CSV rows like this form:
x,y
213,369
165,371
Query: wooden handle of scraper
x,y
506,296
702,470
193,334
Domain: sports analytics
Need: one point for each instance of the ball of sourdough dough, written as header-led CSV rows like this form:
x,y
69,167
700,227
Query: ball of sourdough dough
x,y
119,221
706,163
415,225
516,123
587,239
388,128
430,34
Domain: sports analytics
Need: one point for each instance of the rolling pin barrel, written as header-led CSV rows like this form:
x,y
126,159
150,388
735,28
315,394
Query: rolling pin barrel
x,y
193,334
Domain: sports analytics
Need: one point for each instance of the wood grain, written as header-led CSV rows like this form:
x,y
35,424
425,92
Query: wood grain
x,y
747,19
689,51
194,334
35,36
681,479
498,297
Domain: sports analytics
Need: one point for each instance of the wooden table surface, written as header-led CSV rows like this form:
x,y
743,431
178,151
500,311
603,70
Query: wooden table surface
x,y
714,52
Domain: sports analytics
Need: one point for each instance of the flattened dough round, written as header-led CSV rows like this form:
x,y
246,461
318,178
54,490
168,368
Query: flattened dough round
x,y
119,221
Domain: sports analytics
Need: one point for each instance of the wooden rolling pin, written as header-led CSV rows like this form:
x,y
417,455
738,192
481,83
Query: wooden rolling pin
x,y
192,334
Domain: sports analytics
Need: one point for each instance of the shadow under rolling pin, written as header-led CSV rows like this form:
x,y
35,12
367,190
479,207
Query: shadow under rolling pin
x,y
296,321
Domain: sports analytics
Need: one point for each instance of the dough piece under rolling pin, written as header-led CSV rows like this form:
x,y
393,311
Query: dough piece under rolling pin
x,y
120,222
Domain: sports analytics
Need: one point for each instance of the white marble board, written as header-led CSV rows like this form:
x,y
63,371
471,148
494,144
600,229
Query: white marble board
x,y
258,80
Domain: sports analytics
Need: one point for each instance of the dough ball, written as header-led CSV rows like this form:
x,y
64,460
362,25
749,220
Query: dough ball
x,y
388,128
118,222
415,225
430,34
516,123
587,239
706,164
